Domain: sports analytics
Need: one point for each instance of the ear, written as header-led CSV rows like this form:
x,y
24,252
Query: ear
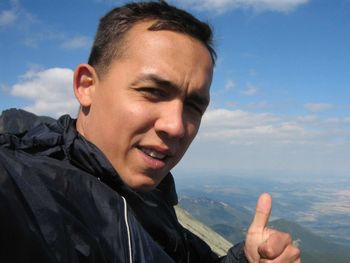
x,y
85,81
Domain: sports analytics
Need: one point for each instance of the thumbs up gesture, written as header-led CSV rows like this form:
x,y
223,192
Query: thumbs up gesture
x,y
264,244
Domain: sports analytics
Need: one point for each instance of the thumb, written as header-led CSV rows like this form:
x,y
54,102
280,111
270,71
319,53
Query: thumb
x,y
262,211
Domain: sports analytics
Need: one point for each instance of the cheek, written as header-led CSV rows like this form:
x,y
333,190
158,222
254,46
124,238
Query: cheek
x,y
192,130
192,127
135,118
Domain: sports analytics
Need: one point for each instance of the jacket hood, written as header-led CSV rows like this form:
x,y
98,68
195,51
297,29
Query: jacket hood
x,y
60,140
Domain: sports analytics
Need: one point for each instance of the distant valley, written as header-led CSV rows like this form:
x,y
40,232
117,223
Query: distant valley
x,y
232,223
323,206
318,208
316,213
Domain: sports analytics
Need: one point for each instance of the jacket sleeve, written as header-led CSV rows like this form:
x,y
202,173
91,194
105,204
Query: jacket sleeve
x,y
199,251
235,255
18,240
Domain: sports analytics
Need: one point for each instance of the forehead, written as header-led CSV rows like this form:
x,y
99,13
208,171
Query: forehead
x,y
168,53
143,28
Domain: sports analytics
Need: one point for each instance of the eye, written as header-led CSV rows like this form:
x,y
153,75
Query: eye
x,y
153,92
196,108
156,92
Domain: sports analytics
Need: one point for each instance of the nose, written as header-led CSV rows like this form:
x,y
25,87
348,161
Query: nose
x,y
171,120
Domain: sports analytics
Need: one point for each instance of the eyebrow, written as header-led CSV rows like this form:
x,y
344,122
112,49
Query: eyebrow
x,y
166,84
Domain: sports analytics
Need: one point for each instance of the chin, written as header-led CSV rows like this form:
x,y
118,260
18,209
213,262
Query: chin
x,y
143,187
143,184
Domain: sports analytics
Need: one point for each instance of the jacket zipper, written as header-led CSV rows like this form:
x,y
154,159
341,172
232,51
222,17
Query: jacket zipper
x,y
128,229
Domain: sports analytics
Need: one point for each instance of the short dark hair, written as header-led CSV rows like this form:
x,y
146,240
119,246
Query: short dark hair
x,y
108,43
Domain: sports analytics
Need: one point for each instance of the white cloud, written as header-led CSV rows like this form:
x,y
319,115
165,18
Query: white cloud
x,y
230,84
237,140
4,88
240,126
221,6
34,38
50,91
308,119
236,119
318,107
77,42
233,139
7,17
110,2
233,104
249,128
31,29
252,72
258,105
250,90
34,32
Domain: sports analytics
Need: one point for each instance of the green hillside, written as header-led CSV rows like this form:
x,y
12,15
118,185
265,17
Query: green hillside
x,y
314,248
231,223
217,243
222,218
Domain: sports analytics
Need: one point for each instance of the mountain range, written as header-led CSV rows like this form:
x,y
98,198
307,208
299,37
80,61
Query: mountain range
x,y
217,222
18,120
232,222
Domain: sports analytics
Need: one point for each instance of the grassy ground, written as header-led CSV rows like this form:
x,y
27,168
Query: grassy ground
x,y
217,243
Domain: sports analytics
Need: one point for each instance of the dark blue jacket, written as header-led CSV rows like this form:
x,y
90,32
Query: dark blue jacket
x,y
62,201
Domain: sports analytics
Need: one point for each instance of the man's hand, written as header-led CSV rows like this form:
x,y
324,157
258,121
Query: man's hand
x,y
264,244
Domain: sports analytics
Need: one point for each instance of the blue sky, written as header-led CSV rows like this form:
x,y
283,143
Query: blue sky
x,y
280,97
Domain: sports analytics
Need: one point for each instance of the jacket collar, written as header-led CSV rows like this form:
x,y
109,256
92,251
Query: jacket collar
x,y
89,158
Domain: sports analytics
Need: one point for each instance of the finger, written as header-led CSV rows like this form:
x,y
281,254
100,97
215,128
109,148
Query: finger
x,y
262,211
275,245
290,255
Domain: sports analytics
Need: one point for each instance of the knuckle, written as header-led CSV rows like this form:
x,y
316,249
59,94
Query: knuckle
x,y
297,252
288,238
267,252
294,251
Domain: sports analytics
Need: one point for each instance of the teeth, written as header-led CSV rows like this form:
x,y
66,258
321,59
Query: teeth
x,y
154,154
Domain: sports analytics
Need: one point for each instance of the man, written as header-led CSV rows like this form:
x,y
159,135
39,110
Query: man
x,y
99,188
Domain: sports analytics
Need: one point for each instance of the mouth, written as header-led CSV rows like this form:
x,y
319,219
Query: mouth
x,y
155,154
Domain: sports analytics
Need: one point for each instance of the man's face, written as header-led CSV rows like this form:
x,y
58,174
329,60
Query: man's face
x,y
146,110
